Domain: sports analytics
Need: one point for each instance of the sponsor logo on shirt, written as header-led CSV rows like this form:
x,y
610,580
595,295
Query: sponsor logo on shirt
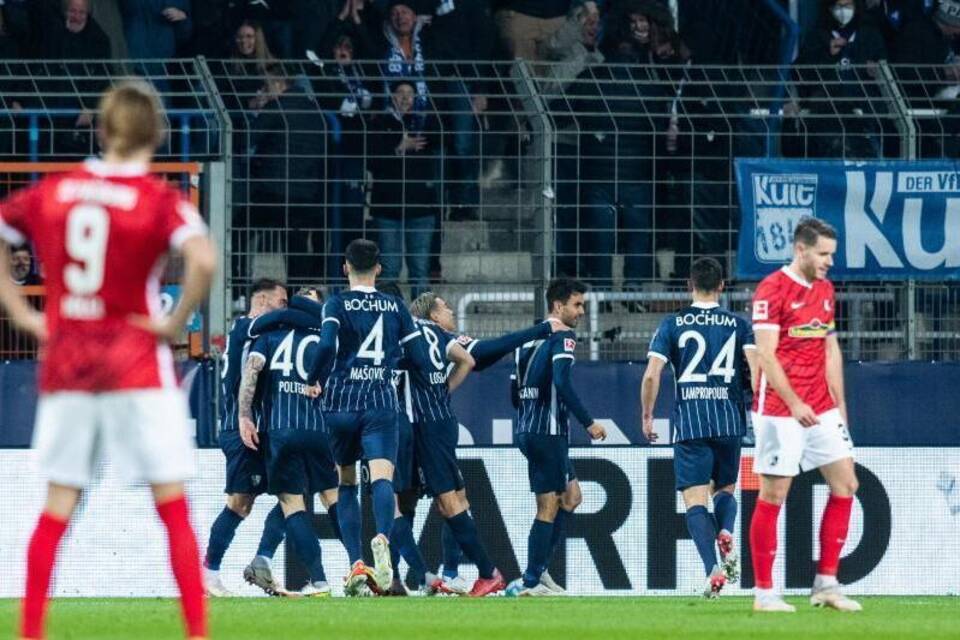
x,y
816,328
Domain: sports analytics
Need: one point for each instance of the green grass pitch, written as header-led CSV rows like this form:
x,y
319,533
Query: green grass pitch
x,y
497,619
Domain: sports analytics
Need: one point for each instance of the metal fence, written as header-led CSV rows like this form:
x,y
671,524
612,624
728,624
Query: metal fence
x,y
483,180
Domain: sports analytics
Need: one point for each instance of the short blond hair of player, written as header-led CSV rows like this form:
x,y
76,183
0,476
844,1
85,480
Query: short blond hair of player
x,y
800,412
107,386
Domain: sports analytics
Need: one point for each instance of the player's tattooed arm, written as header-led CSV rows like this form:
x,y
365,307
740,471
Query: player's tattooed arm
x,y
248,389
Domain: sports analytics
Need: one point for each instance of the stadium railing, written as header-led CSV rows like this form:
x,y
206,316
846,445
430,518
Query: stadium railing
x,y
617,174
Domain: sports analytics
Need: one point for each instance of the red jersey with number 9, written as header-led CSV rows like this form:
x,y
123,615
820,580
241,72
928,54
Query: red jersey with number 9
x,y
102,233
803,314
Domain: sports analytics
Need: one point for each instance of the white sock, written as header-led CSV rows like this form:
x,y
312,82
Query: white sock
x,y
763,594
823,581
265,559
211,574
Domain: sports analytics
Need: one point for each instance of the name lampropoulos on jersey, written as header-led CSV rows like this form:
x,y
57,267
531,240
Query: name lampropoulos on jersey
x,y
803,313
102,233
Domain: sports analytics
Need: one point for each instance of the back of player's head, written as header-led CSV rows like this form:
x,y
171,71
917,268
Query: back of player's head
x,y
390,288
424,305
264,285
363,256
811,229
131,118
561,289
706,275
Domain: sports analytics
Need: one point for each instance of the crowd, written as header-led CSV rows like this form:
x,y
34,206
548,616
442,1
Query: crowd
x,y
398,126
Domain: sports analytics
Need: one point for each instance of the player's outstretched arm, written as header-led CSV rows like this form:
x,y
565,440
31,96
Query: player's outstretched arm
x,y
489,352
463,365
248,389
835,375
305,304
22,314
649,390
281,318
767,341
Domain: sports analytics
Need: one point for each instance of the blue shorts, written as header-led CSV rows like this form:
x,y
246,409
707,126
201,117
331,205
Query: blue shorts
x,y
370,435
406,475
697,462
548,462
437,455
300,462
246,469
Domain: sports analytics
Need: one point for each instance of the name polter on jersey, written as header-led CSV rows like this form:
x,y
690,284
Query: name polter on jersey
x,y
372,327
289,355
541,408
704,344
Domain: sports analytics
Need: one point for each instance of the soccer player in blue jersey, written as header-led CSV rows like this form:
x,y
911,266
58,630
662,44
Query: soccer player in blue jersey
x,y
299,460
546,399
363,336
706,347
246,472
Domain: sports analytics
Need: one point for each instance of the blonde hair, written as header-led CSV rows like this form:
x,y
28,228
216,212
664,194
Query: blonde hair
x,y
424,305
261,50
131,118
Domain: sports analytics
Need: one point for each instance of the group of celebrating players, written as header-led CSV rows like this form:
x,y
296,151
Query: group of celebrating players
x,y
311,390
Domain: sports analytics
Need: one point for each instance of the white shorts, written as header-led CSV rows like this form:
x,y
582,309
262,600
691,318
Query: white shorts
x,y
145,433
786,448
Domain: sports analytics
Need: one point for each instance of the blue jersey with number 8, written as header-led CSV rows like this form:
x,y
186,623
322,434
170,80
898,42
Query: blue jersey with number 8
x,y
704,344
429,394
372,328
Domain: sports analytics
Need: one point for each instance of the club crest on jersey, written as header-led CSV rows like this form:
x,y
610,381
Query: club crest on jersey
x,y
761,310
569,344
463,341
816,328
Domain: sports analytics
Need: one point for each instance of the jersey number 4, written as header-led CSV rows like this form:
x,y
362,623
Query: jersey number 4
x,y
722,364
372,346
88,227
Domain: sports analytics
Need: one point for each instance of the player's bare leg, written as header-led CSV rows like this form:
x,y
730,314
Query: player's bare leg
x,y
703,530
41,556
299,530
725,513
842,479
763,542
184,555
238,507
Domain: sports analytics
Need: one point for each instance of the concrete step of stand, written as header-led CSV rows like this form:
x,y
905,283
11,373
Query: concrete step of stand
x,y
480,267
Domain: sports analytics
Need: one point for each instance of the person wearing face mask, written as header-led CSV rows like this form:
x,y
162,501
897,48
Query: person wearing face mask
x,y
839,95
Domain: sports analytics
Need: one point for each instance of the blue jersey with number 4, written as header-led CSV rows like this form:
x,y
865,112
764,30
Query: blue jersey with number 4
x,y
371,328
704,344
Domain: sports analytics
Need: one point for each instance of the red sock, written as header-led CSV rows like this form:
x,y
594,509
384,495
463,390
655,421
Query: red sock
x,y
185,560
833,533
41,555
763,542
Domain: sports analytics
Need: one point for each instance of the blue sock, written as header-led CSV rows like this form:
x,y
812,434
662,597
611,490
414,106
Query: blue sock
x,y
451,552
538,552
725,510
402,538
273,531
384,505
703,530
464,529
557,536
395,554
305,543
348,513
221,535
334,521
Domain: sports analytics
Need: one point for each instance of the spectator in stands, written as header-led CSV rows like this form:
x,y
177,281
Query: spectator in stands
x,y
927,55
287,175
361,22
21,266
241,80
344,95
525,25
844,121
277,18
212,25
156,28
402,147
73,35
402,51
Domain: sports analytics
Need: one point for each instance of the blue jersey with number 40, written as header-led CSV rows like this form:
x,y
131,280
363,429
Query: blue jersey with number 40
x,y
288,357
704,344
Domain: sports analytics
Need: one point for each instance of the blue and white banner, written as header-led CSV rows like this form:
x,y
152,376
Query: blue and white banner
x,y
896,220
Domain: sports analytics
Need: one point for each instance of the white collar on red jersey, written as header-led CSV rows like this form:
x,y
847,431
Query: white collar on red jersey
x,y
363,289
102,169
705,305
800,280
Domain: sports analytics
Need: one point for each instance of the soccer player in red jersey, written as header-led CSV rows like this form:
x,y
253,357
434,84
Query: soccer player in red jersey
x,y
107,383
800,414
